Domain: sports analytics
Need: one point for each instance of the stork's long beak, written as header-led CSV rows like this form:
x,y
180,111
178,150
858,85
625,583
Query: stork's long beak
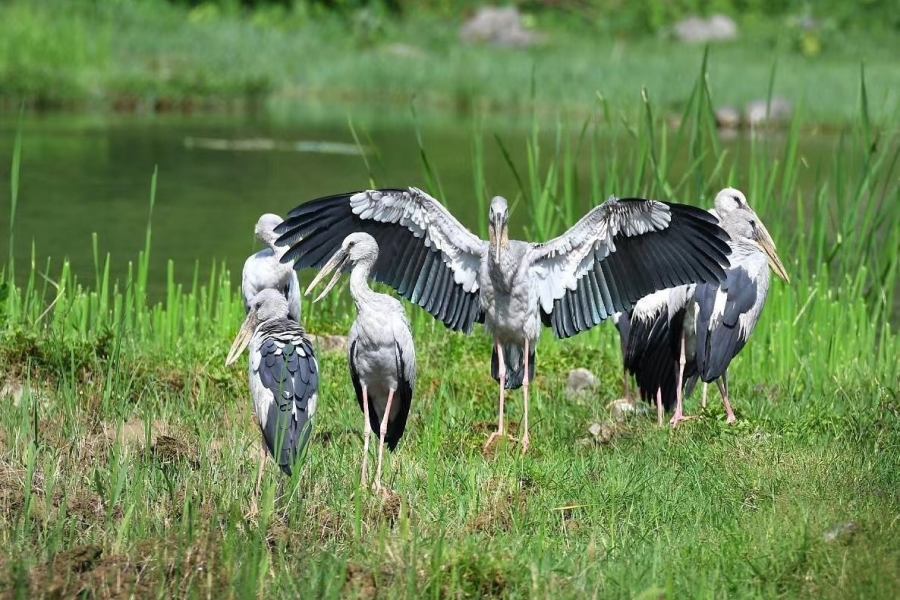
x,y
768,246
497,230
243,338
336,264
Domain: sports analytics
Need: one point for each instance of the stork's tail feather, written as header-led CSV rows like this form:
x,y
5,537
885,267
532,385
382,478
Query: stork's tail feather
x,y
514,359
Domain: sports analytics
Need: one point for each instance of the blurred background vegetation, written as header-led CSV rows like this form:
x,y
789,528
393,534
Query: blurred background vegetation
x,y
160,54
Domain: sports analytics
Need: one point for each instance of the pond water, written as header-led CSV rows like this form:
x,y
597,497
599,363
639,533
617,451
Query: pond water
x,y
82,174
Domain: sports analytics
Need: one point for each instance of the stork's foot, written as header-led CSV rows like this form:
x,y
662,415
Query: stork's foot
x,y
493,439
731,420
678,419
526,443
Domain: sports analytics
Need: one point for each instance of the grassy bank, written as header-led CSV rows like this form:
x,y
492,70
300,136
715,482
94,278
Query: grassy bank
x,y
155,56
127,455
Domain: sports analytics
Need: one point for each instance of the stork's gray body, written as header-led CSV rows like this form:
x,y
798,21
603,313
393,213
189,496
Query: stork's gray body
x,y
382,355
265,270
510,303
283,374
382,358
284,377
694,332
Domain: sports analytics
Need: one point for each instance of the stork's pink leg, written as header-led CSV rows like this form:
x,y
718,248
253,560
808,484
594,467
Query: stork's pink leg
x,y
731,418
705,392
254,502
679,404
366,435
659,408
626,385
501,370
526,440
383,432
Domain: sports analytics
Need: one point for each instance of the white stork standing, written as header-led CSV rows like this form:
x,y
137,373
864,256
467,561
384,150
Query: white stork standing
x,y
264,270
619,252
382,355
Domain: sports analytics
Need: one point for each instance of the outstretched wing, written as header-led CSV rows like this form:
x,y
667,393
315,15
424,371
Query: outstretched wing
x,y
424,252
288,369
620,252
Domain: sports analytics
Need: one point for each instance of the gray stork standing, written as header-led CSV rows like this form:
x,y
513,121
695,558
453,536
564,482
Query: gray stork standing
x,y
382,355
265,270
694,332
284,378
619,252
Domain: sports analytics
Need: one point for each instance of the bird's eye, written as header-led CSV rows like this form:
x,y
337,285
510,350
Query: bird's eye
x,y
752,223
258,305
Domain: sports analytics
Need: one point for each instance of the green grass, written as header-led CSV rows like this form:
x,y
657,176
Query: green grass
x,y
127,463
131,55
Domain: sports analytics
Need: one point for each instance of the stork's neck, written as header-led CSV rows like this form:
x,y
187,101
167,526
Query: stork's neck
x,y
502,268
362,294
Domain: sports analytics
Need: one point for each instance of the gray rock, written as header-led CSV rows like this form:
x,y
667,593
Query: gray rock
x,y
728,117
779,112
602,433
717,28
404,51
12,390
498,26
625,408
581,382
328,344
843,533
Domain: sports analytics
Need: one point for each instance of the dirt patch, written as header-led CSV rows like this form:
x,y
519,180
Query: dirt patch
x,y
360,582
86,506
496,517
330,524
169,450
391,506
153,565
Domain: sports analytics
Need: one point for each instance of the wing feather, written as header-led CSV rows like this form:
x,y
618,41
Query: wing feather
x,y
424,252
289,370
620,252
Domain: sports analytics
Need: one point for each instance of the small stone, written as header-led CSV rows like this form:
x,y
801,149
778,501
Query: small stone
x,y
728,117
501,27
760,112
842,533
718,28
12,390
602,433
581,382
625,408
404,51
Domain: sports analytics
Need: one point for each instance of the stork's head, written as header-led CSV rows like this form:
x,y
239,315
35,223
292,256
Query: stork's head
x,y
265,229
357,249
729,200
498,225
267,305
744,225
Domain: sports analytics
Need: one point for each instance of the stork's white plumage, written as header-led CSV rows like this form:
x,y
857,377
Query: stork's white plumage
x,y
264,270
382,355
